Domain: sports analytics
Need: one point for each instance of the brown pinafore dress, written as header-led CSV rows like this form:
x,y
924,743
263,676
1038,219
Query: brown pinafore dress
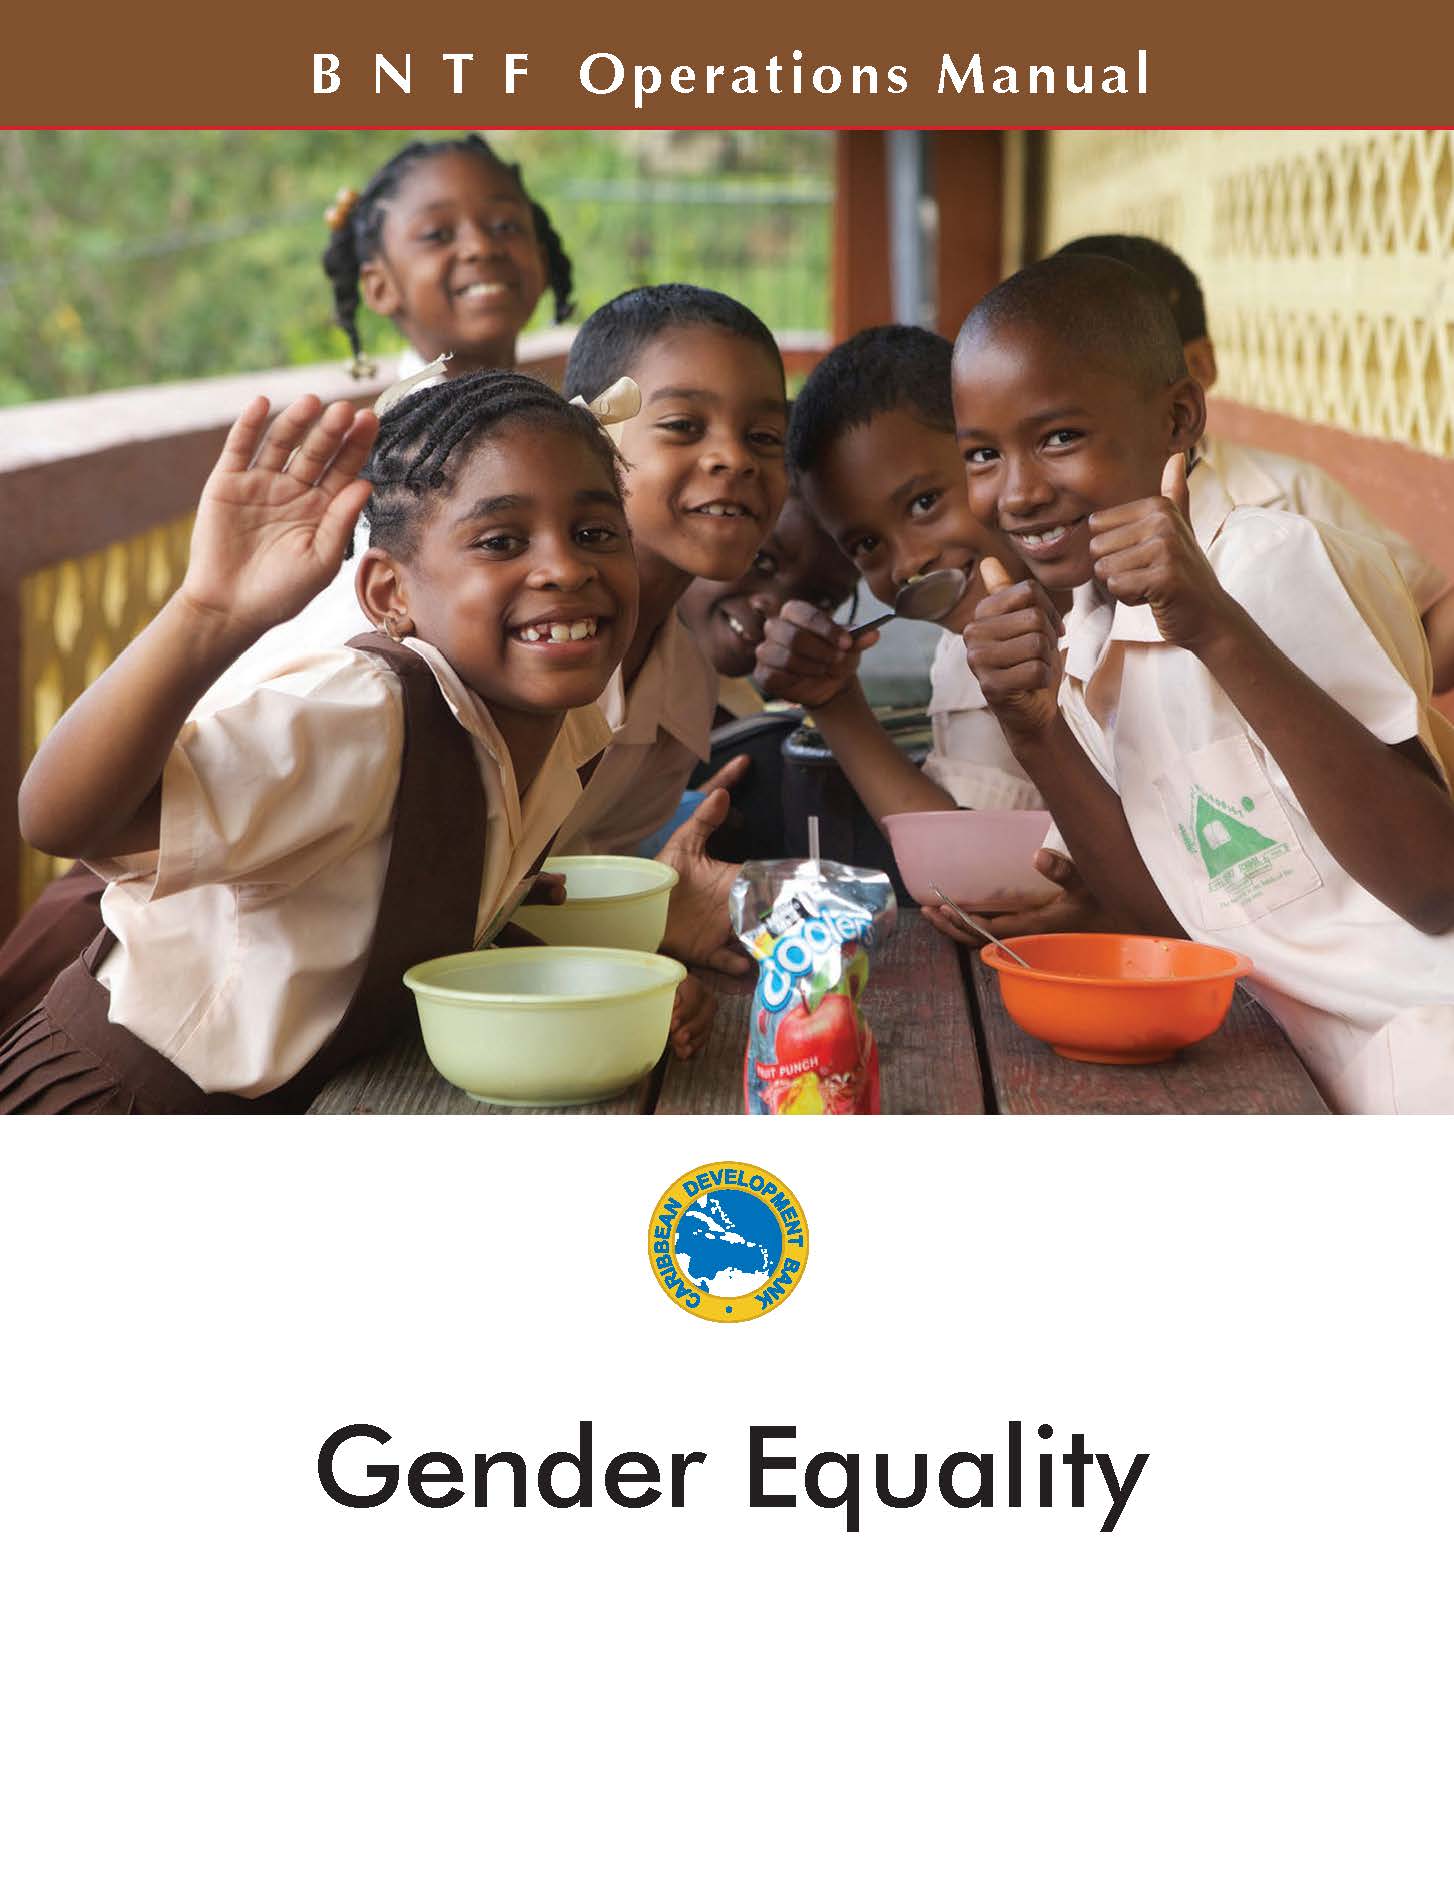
x,y
58,926
67,1057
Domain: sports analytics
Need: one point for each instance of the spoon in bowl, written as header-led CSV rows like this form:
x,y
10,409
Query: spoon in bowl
x,y
977,927
923,597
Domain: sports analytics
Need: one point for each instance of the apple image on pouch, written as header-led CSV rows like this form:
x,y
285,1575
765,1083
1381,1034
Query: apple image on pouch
x,y
829,1033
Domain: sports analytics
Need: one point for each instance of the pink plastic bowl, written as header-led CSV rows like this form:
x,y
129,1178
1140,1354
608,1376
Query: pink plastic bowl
x,y
983,859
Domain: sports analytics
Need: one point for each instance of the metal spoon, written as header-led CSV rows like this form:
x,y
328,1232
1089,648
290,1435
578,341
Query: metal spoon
x,y
977,927
924,597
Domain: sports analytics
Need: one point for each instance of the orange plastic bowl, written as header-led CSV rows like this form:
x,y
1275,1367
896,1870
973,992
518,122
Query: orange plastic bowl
x,y
1117,999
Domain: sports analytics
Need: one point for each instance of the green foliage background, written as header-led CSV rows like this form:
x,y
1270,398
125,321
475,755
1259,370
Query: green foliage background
x,y
129,257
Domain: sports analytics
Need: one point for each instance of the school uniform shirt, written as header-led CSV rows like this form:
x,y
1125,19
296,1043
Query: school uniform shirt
x,y
661,729
331,619
1256,479
241,938
971,758
1366,998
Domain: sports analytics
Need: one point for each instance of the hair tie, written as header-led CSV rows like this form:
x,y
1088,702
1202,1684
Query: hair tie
x,y
614,406
340,209
430,375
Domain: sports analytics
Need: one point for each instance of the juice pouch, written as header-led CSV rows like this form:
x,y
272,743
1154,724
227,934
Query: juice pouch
x,y
810,928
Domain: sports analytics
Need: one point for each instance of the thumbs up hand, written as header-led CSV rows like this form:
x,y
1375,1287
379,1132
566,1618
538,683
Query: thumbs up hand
x,y
1013,648
1146,554
1173,483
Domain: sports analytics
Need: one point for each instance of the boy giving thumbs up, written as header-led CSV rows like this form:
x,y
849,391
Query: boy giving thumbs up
x,y
1230,725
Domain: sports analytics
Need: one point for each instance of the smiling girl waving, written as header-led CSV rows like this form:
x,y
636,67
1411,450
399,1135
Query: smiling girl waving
x,y
276,864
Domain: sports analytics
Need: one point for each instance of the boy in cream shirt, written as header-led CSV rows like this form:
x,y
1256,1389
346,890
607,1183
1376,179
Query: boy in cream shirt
x,y
1237,744
705,481
871,445
797,562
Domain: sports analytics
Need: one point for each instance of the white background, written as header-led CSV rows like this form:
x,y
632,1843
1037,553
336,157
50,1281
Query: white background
x,y
212,1670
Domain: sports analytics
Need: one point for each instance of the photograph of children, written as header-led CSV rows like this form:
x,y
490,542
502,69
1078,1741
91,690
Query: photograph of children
x,y
453,549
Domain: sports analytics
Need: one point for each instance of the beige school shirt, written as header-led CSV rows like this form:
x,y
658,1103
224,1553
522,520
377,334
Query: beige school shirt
x,y
331,619
1364,996
661,728
1256,479
971,758
242,937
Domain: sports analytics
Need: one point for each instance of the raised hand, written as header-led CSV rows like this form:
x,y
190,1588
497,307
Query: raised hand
x,y
1012,645
1147,555
806,656
277,513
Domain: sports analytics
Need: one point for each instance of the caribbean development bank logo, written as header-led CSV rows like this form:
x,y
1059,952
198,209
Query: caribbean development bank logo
x,y
728,1242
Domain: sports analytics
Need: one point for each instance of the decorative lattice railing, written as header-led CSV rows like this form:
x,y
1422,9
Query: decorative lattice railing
x,y
1327,258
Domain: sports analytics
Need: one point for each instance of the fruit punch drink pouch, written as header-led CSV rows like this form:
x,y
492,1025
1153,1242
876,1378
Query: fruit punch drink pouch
x,y
810,927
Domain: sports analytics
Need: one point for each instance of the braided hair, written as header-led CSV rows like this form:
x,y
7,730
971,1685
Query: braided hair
x,y
358,235
410,463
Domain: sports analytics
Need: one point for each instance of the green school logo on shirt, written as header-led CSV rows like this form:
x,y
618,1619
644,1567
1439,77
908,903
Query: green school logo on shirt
x,y
1223,840
728,1242
1236,855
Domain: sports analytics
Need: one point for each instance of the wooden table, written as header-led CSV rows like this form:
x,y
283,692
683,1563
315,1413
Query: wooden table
x,y
946,1045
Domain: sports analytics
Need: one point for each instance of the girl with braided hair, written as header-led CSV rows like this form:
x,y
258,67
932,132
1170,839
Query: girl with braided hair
x,y
444,241
275,865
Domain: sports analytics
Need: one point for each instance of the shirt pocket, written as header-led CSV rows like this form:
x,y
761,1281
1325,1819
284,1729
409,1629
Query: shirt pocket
x,y
1241,855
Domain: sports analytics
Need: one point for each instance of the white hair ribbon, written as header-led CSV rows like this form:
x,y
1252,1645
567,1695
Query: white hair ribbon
x,y
430,375
614,406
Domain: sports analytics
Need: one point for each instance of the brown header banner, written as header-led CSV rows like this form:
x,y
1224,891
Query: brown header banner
x,y
563,62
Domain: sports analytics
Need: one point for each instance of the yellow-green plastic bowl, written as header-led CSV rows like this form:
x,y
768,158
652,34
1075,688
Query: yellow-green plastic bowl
x,y
611,901
540,1027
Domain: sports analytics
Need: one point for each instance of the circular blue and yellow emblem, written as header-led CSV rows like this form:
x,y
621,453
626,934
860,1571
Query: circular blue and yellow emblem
x,y
728,1241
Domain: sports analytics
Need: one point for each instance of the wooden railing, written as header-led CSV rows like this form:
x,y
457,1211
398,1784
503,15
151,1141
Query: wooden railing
x,y
96,502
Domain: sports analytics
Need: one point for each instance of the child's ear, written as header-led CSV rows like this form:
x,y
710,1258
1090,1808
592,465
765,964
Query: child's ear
x,y
1201,362
1188,412
382,593
378,289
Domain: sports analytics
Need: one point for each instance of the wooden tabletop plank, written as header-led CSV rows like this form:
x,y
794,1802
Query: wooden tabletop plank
x,y
916,1003
1245,1068
918,1008
402,1082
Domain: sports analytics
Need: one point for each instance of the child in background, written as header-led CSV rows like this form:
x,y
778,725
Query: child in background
x,y
871,446
1238,750
445,242
797,562
728,617
275,866
1241,474
704,484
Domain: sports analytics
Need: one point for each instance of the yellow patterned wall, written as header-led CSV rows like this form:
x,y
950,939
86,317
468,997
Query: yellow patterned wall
x,y
1327,259
74,620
